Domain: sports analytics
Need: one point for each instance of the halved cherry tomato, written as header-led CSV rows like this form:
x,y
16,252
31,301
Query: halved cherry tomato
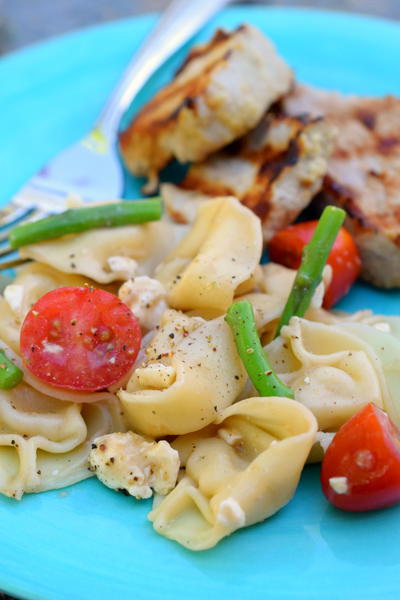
x,y
80,338
361,467
287,245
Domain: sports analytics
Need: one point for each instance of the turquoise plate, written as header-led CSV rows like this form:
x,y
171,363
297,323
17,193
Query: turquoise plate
x,y
94,543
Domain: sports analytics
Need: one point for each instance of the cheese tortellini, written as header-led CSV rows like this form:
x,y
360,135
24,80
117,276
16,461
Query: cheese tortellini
x,y
239,471
192,371
386,346
44,442
88,253
331,371
216,260
230,459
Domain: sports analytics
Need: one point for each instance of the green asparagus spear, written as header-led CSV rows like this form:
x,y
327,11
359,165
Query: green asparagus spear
x,y
10,374
240,318
81,219
314,257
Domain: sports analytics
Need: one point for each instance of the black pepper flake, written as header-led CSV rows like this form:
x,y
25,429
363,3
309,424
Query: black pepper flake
x,y
112,459
172,335
94,446
39,472
178,277
237,377
72,265
13,442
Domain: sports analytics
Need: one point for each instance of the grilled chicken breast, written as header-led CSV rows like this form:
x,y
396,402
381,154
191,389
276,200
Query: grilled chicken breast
x,y
221,91
275,170
363,174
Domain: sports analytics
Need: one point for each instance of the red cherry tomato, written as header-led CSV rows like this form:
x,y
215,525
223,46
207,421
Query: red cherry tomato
x,y
80,338
366,452
287,245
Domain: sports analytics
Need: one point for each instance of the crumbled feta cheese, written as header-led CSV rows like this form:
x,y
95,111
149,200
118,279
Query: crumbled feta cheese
x,y
231,514
14,295
156,375
51,348
123,266
146,298
307,379
340,485
129,462
325,439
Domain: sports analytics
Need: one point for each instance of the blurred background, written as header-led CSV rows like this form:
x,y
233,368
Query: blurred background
x,y
24,22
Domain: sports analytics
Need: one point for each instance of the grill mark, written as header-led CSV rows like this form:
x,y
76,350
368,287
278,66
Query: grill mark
x,y
220,37
272,168
344,197
272,163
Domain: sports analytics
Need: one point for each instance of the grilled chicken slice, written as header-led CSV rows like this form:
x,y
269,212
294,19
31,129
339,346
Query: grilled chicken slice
x,y
220,92
363,173
275,170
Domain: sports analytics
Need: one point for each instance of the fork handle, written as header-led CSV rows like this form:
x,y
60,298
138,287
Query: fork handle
x,y
177,25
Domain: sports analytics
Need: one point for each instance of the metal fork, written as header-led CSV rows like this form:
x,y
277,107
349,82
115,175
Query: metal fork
x,y
91,168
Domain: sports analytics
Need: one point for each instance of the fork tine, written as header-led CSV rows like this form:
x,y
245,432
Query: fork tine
x,y
13,213
6,251
15,262
31,215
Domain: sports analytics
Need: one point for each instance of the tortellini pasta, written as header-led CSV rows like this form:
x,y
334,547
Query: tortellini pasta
x,y
387,348
88,253
241,459
215,260
44,442
238,471
192,372
331,371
